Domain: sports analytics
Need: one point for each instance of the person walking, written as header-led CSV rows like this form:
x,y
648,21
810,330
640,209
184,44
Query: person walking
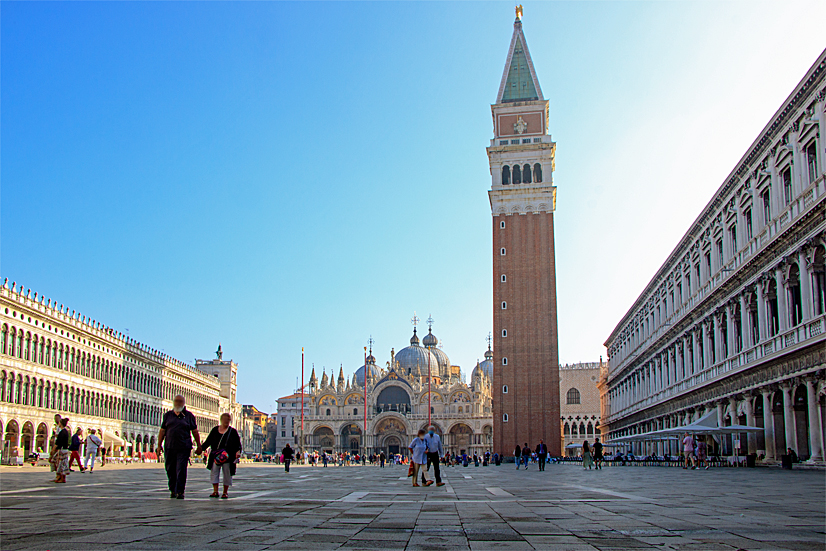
x,y
418,455
74,450
175,442
688,452
93,443
224,445
103,453
382,459
598,455
517,455
542,454
526,455
702,454
587,461
288,454
61,451
434,453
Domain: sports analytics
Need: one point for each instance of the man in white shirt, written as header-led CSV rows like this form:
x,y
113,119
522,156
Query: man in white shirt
x,y
434,453
688,451
93,442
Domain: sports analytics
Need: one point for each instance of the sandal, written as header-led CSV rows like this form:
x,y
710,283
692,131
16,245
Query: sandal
x,y
214,494
224,496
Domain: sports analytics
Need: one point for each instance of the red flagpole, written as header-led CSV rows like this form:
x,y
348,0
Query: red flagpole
x,y
364,434
302,399
429,409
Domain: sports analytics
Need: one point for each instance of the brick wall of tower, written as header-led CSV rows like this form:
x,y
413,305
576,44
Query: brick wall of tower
x,y
531,347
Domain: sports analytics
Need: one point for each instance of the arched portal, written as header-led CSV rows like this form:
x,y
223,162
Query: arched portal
x,y
460,438
391,436
324,439
10,440
351,438
42,438
27,439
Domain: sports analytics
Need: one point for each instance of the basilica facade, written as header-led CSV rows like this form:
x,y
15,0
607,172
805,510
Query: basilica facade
x,y
416,387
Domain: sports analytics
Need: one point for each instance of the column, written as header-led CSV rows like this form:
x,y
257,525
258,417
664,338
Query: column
x,y
762,322
805,284
788,416
750,421
768,424
815,432
729,344
733,407
695,345
745,328
705,339
717,340
681,359
782,301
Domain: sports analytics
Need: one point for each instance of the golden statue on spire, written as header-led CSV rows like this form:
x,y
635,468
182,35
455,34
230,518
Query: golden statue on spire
x,y
519,12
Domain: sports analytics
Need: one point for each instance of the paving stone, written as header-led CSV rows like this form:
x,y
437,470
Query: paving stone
x,y
561,509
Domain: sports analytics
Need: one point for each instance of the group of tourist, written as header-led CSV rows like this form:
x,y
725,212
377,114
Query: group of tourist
x,y
523,454
65,450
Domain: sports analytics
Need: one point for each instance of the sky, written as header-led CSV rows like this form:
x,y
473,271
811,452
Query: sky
x,y
273,176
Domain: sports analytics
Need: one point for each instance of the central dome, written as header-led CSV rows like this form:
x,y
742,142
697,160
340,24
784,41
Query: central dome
x,y
414,359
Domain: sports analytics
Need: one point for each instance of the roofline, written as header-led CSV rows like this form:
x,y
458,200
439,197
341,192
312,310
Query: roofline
x,y
755,149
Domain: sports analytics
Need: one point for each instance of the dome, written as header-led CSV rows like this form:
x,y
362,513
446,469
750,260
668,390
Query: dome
x,y
430,342
444,361
478,371
487,365
374,372
414,358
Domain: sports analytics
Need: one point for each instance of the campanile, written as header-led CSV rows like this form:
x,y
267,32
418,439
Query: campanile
x,y
522,202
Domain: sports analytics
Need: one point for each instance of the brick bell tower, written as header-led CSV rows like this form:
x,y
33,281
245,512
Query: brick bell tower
x,y
522,202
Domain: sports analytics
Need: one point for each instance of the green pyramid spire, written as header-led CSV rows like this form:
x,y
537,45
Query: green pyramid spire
x,y
519,85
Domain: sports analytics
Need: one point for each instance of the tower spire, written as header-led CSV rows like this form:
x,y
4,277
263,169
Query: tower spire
x,y
519,81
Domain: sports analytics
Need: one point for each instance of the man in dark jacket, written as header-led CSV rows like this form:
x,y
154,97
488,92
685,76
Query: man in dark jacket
x,y
175,442
526,455
542,454
288,457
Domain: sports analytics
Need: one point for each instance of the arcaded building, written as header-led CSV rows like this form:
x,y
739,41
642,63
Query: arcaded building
x,y
522,201
417,377
57,361
734,322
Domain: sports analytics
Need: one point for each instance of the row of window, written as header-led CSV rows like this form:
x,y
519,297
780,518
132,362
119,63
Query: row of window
x,y
523,174
518,141
22,345
729,244
41,393
730,333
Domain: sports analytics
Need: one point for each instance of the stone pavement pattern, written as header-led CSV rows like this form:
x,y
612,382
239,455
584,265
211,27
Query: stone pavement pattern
x,y
481,508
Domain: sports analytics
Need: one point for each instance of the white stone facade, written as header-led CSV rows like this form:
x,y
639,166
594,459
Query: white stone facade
x,y
56,362
579,404
735,319
397,407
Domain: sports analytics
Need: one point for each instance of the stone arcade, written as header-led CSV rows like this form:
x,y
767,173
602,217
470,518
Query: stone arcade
x,y
734,322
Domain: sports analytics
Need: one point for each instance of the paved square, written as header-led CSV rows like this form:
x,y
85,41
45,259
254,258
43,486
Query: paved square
x,y
564,508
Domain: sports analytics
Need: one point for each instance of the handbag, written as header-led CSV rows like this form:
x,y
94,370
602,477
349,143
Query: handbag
x,y
221,455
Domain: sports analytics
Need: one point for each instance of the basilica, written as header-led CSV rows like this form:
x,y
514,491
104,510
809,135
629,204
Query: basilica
x,y
416,387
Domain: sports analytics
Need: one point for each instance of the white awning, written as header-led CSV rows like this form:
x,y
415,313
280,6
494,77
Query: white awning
x,y
110,438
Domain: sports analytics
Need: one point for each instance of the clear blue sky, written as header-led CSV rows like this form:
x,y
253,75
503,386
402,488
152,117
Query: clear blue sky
x,y
279,175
